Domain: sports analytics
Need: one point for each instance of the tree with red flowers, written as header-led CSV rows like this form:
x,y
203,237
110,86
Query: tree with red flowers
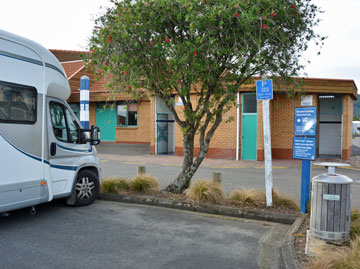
x,y
207,48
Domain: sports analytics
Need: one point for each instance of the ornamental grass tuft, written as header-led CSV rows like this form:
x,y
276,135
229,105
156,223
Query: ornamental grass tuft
x,y
283,200
355,223
206,191
346,258
145,184
251,197
115,185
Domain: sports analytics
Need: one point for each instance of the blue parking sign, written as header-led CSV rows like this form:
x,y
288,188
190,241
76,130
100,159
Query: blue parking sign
x,y
264,89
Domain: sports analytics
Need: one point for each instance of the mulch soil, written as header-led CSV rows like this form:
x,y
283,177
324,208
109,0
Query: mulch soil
x,y
300,243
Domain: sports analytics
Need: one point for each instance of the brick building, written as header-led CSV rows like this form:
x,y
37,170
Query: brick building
x,y
124,120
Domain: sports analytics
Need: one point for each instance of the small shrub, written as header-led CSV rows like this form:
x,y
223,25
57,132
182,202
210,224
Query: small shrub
x,y
250,197
145,184
206,191
115,185
283,200
345,258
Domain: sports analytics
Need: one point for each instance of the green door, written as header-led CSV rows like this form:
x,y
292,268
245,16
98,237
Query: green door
x,y
106,121
249,127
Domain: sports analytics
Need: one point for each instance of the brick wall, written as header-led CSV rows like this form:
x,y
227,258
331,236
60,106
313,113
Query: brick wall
x,y
139,134
282,126
347,127
223,143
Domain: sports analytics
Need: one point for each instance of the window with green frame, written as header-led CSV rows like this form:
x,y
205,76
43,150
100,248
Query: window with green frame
x,y
127,113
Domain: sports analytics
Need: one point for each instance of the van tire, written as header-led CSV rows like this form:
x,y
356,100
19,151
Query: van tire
x,y
86,188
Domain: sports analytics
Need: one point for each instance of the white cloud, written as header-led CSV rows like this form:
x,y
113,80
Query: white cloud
x,y
67,24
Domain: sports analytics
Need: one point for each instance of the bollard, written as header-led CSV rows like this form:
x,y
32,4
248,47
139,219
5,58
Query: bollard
x,y
217,177
140,170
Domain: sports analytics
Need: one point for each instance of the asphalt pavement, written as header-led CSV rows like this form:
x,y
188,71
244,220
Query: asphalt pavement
x,y
117,235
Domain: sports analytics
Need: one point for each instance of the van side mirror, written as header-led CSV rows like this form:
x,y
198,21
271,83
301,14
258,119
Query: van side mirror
x,y
94,135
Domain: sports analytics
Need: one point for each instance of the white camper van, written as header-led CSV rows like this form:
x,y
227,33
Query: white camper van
x,y
44,154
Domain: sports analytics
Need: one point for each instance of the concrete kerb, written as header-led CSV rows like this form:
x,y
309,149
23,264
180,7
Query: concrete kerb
x,y
210,209
288,252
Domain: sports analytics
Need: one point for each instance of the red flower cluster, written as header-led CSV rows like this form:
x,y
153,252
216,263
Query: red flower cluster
x,y
195,53
109,39
125,72
92,51
292,6
119,14
236,14
272,15
236,6
167,40
152,42
264,26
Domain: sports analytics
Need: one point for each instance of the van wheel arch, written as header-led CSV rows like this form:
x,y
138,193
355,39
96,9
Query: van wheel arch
x,y
86,187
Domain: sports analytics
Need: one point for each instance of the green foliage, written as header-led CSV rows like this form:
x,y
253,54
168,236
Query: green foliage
x,y
145,184
201,51
209,47
115,185
206,191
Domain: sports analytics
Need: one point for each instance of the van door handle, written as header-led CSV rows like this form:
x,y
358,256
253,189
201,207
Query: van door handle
x,y
53,149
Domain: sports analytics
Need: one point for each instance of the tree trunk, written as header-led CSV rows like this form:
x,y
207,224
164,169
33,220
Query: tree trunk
x,y
182,181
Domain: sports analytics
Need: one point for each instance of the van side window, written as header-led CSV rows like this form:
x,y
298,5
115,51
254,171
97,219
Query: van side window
x,y
73,127
65,127
17,103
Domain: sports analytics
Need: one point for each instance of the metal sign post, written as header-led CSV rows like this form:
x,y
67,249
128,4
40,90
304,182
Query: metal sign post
x,y
304,145
264,92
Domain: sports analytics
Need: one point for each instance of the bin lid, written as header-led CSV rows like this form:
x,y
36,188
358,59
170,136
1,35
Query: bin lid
x,y
332,179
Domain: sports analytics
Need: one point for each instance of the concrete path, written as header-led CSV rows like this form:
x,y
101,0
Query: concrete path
x,y
235,174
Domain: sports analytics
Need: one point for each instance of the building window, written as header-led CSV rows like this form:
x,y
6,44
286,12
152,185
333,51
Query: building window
x,y
250,103
127,112
17,103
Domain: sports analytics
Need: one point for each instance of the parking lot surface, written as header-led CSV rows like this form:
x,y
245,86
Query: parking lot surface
x,y
116,235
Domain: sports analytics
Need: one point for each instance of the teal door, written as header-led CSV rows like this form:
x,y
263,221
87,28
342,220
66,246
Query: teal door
x,y
106,121
249,127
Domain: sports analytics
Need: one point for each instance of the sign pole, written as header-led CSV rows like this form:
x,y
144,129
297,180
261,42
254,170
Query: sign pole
x,y
304,148
267,147
264,92
305,185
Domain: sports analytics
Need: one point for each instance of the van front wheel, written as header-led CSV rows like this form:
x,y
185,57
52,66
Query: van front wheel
x,y
86,188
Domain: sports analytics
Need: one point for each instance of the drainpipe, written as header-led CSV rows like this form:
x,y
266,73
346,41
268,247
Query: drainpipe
x,y
155,127
237,125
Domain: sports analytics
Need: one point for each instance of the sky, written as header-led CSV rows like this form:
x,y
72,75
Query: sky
x,y
67,25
